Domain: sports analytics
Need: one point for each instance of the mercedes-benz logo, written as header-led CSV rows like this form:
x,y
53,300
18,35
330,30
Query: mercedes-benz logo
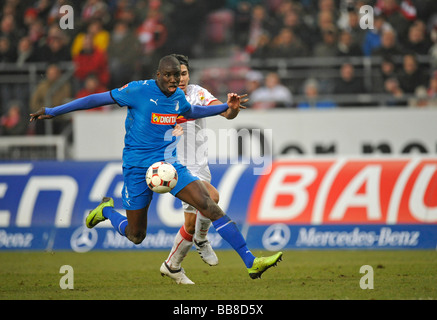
x,y
276,236
83,239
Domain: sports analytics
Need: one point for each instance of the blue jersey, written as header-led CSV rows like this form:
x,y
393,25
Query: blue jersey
x,y
151,117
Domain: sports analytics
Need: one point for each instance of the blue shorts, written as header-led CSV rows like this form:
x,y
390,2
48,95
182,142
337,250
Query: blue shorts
x,y
137,195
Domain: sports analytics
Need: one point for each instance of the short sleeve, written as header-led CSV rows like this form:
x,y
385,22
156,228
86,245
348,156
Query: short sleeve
x,y
125,95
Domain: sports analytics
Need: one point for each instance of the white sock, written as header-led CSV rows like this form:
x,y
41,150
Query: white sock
x,y
182,244
202,227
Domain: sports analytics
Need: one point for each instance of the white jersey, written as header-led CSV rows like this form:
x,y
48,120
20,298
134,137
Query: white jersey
x,y
192,149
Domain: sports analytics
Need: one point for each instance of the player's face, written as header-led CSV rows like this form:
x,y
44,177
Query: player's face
x,y
168,78
185,78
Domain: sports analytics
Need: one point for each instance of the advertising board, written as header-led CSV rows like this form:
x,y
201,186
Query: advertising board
x,y
336,203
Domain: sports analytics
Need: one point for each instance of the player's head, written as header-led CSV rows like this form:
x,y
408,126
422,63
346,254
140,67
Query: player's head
x,y
185,71
168,74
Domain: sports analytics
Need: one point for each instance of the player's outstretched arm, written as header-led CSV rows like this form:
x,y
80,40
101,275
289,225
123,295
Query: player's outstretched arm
x,y
88,102
197,112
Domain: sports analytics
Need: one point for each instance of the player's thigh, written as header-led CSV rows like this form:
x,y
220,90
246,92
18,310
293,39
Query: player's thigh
x,y
137,221
213,193
196,194
136,198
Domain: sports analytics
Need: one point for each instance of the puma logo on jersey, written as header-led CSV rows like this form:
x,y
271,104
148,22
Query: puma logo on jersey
x,y
155,102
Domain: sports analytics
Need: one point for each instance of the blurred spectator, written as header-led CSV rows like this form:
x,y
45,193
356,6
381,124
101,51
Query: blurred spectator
x,y
25,52
261,49
432,88
254,80
124,12
56,49
260,24
272,95
152,34
217,34
420,98
358,34
123,64
389,45
36,33
185,18
12,123
91,60
411,76
417,41
328,46
372,39
432,91
44,93
30,16
100,36
348,83
91,86
7,52
433,50
398,13
387,69
291,19
312,99
346,47
286,44
325,22
94,10
242,13
9,30
43,8
395,95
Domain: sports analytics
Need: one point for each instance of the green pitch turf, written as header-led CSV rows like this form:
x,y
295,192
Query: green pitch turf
x,y
301,275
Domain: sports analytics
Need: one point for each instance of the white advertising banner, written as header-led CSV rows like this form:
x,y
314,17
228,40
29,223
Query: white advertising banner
x,y
349,132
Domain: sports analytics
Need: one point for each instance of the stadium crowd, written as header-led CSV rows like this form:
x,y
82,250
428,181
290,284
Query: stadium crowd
x,y
114,42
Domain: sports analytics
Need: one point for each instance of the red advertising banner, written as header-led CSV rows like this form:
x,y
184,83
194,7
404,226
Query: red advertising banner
x,y
347,191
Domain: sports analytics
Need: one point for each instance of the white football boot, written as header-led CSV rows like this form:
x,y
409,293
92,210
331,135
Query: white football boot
x,y
177,275
206,252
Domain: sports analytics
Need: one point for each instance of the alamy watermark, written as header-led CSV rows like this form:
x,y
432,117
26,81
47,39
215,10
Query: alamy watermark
x,y
67,20
225,146
366,281
367,17
67,280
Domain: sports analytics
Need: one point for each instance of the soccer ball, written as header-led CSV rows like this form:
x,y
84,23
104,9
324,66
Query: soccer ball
x,y
161,177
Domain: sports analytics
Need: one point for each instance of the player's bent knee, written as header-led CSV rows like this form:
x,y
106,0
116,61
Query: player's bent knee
x,y
215,197
137,237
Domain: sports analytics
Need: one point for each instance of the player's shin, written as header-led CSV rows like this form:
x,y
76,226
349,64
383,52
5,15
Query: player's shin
x,y
118,221
202,226
228,230
182,244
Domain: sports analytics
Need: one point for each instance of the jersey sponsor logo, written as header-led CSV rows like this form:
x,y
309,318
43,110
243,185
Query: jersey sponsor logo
x,y
164,119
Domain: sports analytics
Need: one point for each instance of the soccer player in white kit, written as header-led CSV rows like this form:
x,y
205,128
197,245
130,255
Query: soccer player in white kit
x,y
193,153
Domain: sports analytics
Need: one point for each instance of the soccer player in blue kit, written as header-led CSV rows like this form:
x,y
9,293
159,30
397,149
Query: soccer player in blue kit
x,y
153,106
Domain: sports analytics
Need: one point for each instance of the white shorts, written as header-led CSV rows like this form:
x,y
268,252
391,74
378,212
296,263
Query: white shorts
x,y
204,174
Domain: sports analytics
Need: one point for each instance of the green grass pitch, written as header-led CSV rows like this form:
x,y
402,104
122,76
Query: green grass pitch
x,y
303,275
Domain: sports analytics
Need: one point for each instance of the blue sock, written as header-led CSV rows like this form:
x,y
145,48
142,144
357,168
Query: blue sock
x,y
229,231
118,221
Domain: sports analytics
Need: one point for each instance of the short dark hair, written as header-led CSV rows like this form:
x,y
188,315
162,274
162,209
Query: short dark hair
x,y
183,60
166,60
